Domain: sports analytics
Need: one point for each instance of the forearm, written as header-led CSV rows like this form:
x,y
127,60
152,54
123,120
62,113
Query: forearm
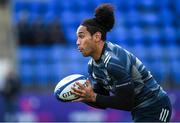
x,y
115,102
95,105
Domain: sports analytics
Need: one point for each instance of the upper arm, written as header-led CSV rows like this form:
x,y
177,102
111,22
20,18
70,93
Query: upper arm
x,y
119,70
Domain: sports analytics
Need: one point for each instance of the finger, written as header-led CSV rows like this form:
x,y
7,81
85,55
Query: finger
x,y
80,85
80,93
75,93
75,90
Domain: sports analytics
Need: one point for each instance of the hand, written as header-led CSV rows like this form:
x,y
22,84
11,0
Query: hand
x,y
84,92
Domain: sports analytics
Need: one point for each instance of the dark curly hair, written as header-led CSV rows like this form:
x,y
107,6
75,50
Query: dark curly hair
x,y
102,22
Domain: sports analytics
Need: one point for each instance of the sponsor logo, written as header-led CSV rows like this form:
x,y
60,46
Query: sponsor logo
x,y
67,94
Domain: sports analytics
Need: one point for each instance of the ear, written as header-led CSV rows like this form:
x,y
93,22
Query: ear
x,y
97,36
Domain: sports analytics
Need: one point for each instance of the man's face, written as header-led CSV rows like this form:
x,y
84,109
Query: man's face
x,y
85,42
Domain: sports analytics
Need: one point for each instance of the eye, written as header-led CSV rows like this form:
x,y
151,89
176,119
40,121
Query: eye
x,y
81,36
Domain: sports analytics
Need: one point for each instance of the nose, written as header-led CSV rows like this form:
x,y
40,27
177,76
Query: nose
x,y
78,42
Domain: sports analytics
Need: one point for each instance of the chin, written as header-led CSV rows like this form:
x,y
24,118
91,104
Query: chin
x,y
85,55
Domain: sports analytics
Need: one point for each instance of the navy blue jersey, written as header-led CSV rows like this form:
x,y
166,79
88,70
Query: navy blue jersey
x,y
121,81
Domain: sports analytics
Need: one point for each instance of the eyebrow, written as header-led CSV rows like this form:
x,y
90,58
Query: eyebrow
x,y
80,32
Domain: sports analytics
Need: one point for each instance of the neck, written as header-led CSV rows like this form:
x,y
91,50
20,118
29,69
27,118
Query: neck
x,y
97,54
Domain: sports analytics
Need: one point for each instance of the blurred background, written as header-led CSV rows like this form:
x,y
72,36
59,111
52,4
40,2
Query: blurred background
x,y
37,49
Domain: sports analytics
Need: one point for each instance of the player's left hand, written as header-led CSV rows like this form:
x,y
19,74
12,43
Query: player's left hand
x,y
84,92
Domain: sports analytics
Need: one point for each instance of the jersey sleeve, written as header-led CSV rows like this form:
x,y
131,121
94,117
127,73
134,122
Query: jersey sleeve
x,y
124,87
119,70
97,87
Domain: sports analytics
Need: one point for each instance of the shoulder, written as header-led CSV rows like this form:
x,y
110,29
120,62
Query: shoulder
x,y
116,55
116,50
107,57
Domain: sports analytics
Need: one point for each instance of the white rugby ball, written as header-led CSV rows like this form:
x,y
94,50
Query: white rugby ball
x,y
63,89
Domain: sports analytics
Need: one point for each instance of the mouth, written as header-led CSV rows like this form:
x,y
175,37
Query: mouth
x,y
80,49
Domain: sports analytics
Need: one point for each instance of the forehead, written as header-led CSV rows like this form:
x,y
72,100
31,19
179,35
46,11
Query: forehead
x,y
81,29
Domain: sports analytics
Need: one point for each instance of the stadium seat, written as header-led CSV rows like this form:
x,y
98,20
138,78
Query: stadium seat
x,y
83,15
159,69
56,53
150,19
73,54
66,5
71,35
26,73
140,51
41,73
25,54
136,35
20,6
155,52
169,36
56,72
177,3
175,70
166,17
79,6
74,67
66,22
173,52
48,17
122,5
57,7
40,53
120,35
134,21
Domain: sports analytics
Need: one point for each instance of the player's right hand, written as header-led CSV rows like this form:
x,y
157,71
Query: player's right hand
x,y
85,93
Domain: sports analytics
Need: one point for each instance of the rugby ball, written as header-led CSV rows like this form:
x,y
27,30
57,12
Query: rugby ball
x,y
63,89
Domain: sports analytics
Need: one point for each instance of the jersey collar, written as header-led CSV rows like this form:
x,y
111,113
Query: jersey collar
x,y
103,50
